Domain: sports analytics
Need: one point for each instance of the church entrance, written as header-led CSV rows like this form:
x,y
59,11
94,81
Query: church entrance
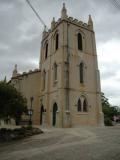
x,y
41,115
55,108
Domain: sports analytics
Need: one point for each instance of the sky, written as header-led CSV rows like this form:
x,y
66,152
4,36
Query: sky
x,y
21,31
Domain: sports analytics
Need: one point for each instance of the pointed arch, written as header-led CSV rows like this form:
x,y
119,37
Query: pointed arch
x,y
55,71
46,50
79,108
44,80
56,41
85,107
79,39
81,70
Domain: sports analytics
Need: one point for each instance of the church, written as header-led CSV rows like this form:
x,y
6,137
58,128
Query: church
x,y
65,90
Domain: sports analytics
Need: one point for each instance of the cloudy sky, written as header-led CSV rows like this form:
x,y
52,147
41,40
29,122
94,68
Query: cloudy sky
x,y
20,36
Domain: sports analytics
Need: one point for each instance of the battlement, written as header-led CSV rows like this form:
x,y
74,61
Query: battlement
x,y
65,17
26,73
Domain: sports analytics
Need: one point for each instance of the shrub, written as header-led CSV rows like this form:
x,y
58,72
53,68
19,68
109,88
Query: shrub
x,y
108,121
29,127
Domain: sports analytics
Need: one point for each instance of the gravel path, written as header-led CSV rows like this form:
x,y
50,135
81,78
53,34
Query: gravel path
x,y
83,143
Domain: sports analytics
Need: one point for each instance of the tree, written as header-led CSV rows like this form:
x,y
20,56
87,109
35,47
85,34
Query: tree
x,y
12,103
104,100
108,110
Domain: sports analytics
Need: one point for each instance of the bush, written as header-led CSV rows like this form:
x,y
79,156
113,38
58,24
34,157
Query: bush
x,y
18,133
108,121
29,127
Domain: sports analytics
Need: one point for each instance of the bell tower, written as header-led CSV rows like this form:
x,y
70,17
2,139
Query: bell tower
x,y
70,82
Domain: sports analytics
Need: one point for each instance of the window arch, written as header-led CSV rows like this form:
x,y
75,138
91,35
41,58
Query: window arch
x,y
44,79
81,72
56,41
55,71
84,105
46,50
79,38
79,105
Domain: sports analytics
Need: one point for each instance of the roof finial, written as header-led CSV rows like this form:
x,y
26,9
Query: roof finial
x,y
53,23
15,71
63,5
90,22
44,31
44,28
64,12
16,67
5,79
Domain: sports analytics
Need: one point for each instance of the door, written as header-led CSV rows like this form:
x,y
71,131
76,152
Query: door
x,y
55,108
41,115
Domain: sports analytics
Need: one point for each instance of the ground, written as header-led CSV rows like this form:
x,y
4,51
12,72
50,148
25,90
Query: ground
x,y
82,143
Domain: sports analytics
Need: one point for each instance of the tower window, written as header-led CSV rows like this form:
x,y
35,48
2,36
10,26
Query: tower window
x,y
82,105
55,71
57,41
79,105
46,51
44,79
79,37
81,72
85,105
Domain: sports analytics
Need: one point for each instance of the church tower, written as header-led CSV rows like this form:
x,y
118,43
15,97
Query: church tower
x,y
70,83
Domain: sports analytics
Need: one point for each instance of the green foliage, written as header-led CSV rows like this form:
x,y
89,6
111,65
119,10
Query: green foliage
x,y
104,100
17,133
107,121
29,127
108,110
12,103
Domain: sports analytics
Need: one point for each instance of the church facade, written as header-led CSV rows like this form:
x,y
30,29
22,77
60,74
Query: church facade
x,y
65,90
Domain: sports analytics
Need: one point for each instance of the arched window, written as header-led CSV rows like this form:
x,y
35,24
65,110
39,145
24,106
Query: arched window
x,y
46,51
56,41
55,71
79,37
44,79
84,105
79,105
81,72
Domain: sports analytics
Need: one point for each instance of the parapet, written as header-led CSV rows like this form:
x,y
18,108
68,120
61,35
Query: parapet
x,y
26,73
70,20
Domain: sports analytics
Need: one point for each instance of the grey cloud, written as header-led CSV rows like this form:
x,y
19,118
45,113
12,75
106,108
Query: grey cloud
x,y
112,94
108,70
108,74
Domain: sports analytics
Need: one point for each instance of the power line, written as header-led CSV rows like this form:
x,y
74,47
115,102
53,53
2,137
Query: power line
x,y
36,13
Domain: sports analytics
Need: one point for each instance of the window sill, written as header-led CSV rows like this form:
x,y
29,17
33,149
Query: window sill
x,y
82,85
82,113
55,82
43,90
55,51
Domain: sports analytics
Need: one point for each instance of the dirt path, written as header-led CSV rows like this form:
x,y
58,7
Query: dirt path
x,y
84,143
